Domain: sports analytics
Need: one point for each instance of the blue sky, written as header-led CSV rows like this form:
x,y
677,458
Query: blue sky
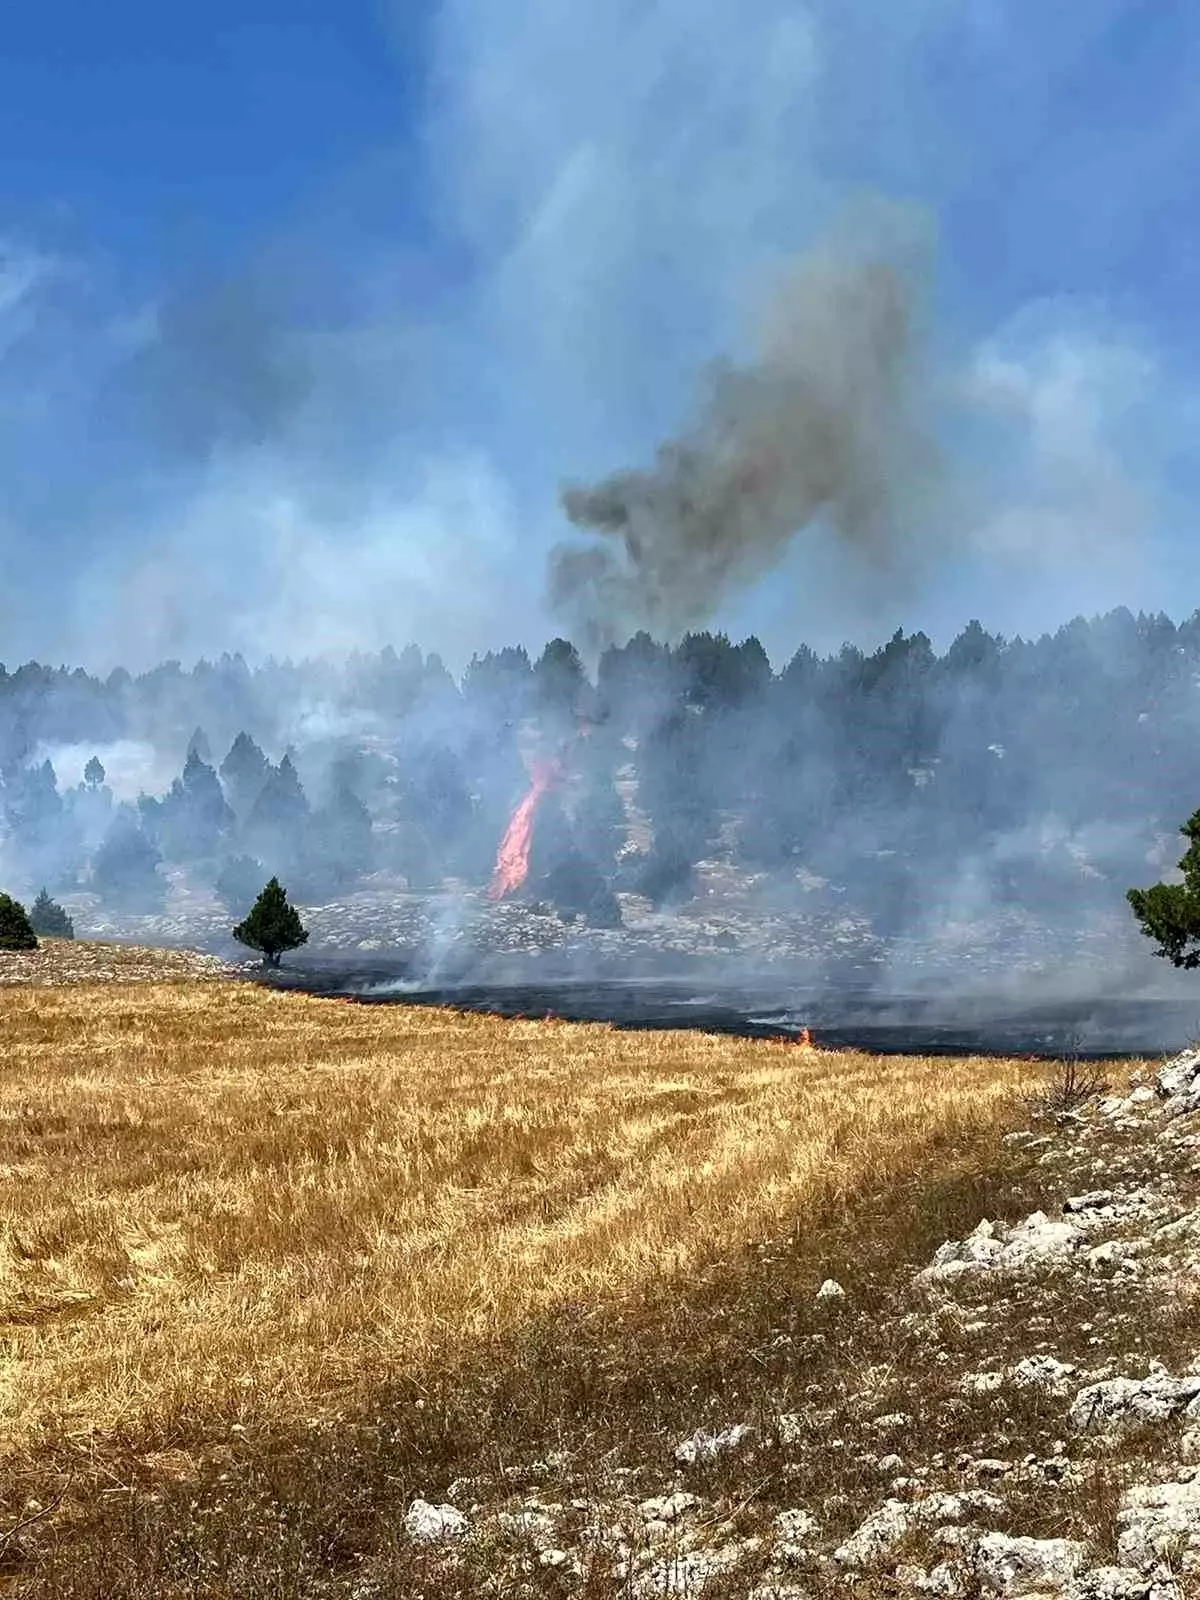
x,y
307,310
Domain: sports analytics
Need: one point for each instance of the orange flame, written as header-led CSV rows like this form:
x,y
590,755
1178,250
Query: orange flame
x,y
512,858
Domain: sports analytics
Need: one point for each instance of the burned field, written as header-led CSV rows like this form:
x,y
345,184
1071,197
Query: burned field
x,y
837,1018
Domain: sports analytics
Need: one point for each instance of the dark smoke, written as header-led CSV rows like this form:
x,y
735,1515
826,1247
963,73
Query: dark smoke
x,y
824,424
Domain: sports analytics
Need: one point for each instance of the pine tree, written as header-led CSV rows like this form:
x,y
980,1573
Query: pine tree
x,y
15,930
281,807
48,919
237,881
244,772
560,679
125,867
1170,912
273,925
340,837
194,816
93,773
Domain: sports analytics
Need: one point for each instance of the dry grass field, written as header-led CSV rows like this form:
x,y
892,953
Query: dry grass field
x,y
274,1264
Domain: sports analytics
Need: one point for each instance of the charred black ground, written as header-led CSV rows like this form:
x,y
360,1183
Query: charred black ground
x,y
849,1018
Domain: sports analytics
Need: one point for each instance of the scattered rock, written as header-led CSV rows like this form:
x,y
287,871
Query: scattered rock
x,y
875,1539
668,1508
1007,1566
1125,1402
1093,1201
1160,1523
831,1290
705,1446
1180,1076
994,1247
1043,1372
428,1523
982,1382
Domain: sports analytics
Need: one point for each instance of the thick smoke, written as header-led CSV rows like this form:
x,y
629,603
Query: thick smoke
x,y
825,423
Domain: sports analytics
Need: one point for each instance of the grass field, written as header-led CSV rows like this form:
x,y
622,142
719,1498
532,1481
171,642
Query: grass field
x,y
330,1254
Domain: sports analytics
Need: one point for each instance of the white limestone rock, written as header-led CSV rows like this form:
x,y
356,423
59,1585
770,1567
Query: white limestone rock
x,y
668,1508
1094,1200
1126,1402
982,1383
795,1525
1110,1583
427,1523
1043,1372
1160,1522
1179,1077
831,1289
1013,1567
993,1247
875,1539
706,1446
684,1573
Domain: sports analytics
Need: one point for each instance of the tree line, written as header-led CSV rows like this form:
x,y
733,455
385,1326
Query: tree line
x,y
1046,771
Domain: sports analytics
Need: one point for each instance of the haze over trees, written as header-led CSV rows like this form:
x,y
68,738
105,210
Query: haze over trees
x,y
1048,773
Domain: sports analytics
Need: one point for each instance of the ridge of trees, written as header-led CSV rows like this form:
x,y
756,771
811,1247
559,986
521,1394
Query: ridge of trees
x,y
896,757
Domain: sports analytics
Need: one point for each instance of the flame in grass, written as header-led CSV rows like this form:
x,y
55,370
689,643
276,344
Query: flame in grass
x,y
512,858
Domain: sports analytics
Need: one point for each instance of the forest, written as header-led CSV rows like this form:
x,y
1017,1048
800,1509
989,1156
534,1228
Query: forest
x,y
1051,771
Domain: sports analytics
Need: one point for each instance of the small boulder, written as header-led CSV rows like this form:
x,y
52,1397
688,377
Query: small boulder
x,y
705,1446
1125,1402
1179,1076
1043,1372
428,1523
669,1507
1013,1567
875,1539
1094,1200
1160,1522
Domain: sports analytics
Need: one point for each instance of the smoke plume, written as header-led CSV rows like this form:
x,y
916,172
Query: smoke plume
x,y
825,423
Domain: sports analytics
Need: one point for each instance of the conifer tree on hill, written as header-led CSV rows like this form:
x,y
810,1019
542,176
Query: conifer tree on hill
x,y
237,880
15,930
341,838
93,773
272,926
125,867
244,773
1169,913
48,918
194,816
282,804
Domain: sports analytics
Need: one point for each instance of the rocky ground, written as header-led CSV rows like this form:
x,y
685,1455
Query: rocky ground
x,y
1023,1419
58,961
